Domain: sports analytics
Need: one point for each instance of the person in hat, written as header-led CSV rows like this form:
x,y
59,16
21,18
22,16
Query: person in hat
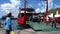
x,y
8,23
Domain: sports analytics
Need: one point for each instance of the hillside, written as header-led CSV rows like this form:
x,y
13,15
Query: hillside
x,y
54,10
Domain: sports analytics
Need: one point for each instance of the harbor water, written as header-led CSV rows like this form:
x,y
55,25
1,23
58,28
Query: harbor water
x,y
14,23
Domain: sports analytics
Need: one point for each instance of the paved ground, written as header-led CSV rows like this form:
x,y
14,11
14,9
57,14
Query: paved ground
x,y
30,31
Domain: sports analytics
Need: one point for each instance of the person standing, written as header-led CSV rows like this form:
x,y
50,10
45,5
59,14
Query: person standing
x,y
53,23
8,27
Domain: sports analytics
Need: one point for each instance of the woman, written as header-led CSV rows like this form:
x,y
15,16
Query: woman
x,y
8,23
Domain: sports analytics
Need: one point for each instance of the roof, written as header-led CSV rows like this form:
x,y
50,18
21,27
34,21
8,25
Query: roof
x,y
28,9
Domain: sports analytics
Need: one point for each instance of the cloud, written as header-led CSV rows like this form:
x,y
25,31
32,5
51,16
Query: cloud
x,y
30,5
43,2
43,9
13,7
50,4
39,4
57,6
37,10
15,2
7,6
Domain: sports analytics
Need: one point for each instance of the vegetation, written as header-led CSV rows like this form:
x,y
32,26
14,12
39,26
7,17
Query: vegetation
x,y
54,10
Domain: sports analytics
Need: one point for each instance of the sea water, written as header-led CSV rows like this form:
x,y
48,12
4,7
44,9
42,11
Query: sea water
x,y
14,23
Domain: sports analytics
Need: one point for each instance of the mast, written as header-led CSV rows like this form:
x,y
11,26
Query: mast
x,y
25,7
46,7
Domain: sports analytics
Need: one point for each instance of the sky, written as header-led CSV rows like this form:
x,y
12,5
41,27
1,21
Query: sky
x,y
38,5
